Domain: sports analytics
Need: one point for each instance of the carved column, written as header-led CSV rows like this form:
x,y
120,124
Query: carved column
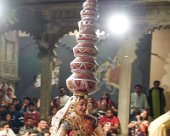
x,y
124,87
129,47
46,78
127,57
46,56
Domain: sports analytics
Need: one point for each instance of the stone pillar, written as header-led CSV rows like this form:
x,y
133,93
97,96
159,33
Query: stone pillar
x,y
128,50
46,77
124,86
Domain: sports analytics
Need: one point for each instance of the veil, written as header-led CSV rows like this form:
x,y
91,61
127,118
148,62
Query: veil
x,y
56,120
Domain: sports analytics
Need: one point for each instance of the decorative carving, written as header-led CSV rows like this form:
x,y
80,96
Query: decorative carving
x,y
9,53
9,68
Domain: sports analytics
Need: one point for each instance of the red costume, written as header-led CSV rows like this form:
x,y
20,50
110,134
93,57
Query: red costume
x,y
35,115
110,121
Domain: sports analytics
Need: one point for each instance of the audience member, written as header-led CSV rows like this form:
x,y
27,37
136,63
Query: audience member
x,y
5,130
33,113
17,104
28,127
105,98
9,95
56,102
26,102
138,100
91,109
156,100
63,98
138,126
16,117
110,123
102,110
42,127
52,114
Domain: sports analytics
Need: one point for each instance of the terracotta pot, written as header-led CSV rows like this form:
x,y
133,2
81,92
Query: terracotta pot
x,y
81,51
88,24
83,64
82,83
86,37
88,14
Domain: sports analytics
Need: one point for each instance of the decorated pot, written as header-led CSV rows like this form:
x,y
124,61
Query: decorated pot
x,y
82,83
83,64
85,50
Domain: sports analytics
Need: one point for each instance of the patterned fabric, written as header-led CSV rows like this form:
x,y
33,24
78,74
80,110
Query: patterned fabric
x,y
23,130
135,131
140,129
75,125
35,115
60,115
112,121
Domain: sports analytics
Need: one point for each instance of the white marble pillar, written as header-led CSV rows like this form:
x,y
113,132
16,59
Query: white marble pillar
x,y
124,87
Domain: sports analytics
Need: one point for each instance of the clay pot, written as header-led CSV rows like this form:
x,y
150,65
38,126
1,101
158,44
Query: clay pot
x,y
83,64
82,83
85,50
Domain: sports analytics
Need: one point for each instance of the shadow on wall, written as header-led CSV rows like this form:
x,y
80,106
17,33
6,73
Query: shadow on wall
x,y
167,96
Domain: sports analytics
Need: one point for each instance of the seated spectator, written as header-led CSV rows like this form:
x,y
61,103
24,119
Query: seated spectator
x,y
102,110
9,95
26,102
32,133
28,127
139,125
16,117
56,102
17,104
63,98
105,98
42,127
3,88
36,102
8,119
110,123
91,110
52,113
5,130
2,110
33,113
2,99
91,100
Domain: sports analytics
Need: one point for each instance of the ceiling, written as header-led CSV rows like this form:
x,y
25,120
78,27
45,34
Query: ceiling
x,y
44,2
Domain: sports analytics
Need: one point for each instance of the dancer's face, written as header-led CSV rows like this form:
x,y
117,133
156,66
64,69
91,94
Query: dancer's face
x,y
81,107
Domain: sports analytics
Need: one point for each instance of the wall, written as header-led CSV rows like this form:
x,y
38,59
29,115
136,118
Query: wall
x,y
141,65
160,61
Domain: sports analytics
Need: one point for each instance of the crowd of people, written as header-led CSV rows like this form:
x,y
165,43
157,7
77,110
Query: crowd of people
x,y
24,119
143,106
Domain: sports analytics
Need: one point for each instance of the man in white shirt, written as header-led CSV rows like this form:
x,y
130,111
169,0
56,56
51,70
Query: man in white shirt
x,y
138,100
63,98
6,130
